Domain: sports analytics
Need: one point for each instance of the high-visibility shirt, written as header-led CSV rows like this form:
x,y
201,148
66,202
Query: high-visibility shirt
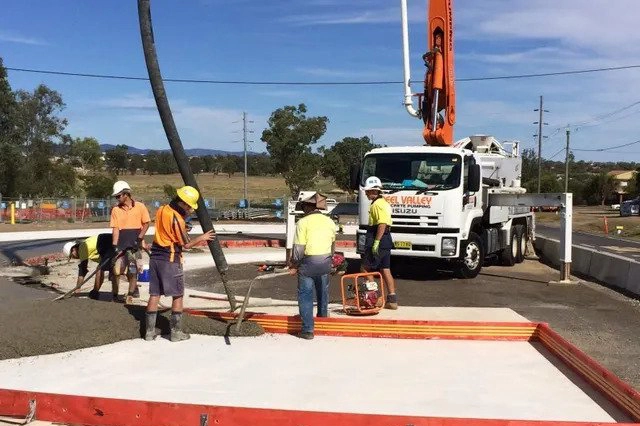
x,y
379,213
170,235
129,220
93,249
313,244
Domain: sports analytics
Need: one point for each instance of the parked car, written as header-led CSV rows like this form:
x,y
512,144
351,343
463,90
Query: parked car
x,y
630,207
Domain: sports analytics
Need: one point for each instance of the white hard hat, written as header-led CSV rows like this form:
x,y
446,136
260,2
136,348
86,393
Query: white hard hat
x,y
66,249
120,186
372,183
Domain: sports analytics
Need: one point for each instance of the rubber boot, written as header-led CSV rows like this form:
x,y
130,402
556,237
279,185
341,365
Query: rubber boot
x,y
150,332
177,334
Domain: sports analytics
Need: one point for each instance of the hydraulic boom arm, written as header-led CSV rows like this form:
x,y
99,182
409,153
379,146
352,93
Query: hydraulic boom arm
x,y
437,102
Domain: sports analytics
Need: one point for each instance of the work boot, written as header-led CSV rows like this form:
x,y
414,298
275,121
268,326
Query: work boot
x,y
94,294
392,301
306,335
150,332
176,328
136,293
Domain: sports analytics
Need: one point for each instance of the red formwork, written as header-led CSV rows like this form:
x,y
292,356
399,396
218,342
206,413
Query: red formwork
x,y
87,410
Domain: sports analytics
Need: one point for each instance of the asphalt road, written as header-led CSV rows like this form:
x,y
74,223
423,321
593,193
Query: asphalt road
x,y
614,245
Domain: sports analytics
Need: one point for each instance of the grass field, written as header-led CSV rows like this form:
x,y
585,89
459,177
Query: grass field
x,y
222,187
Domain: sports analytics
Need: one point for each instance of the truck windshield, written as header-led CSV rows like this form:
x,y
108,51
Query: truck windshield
x,y
422,171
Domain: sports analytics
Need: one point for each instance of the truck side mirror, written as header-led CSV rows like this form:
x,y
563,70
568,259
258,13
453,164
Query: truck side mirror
x,y
474,177
354,177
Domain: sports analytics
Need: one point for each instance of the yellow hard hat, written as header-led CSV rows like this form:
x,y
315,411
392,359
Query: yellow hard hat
x,y
189,195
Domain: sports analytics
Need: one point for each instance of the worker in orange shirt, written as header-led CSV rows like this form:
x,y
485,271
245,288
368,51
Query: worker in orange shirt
x,y
129,223
166,276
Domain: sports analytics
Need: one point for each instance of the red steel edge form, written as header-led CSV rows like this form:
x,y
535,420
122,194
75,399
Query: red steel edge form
x,y
87,410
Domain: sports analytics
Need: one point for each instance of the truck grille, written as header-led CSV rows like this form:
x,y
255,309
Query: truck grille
x,y
403,220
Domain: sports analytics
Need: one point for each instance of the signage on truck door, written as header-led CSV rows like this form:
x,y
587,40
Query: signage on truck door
x,y
410,204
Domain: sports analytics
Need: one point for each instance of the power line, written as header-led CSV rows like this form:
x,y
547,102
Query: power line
x,y
556,154
607,148
306,83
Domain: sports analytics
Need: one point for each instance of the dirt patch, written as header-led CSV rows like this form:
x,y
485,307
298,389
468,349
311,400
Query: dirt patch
x,y
37,327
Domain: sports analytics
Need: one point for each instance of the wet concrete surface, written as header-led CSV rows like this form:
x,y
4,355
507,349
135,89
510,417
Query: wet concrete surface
x,y
601,322
33,324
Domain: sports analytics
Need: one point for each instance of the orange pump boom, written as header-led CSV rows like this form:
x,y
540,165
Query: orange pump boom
x,y
439,89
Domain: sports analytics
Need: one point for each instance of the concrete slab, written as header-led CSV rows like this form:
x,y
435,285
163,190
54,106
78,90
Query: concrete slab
x,y
472,379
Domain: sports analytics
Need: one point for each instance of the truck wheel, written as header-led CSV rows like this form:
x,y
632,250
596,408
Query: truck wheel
x,y
522,243
471,257
509,254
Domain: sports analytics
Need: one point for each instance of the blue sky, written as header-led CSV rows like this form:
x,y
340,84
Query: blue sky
x,y
332,40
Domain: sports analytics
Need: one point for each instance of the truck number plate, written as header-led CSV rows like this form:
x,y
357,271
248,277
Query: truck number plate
x,y
402,245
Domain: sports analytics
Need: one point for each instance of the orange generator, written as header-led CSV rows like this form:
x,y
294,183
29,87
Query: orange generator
x,y
362,293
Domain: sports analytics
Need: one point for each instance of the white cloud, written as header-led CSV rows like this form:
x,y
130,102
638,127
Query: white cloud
x,y
11,37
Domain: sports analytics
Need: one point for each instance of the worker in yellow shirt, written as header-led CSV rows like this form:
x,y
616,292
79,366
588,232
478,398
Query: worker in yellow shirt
x,y
96,249
378,243
311,259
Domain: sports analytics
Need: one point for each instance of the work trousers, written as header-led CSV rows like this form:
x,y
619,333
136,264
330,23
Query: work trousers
x,y
306,286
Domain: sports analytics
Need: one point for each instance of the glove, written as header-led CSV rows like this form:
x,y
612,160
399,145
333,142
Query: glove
x,y
375,247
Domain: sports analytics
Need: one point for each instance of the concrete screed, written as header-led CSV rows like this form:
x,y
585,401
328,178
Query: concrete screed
x,y
434,378
473,379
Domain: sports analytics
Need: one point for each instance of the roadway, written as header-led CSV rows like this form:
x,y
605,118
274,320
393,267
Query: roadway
x,y
614,245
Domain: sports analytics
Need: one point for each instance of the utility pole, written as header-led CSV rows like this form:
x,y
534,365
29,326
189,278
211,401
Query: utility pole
x,y
566,163
540,123
244,141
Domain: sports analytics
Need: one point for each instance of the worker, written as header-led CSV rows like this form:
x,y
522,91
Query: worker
x,y
166,276
311,260
97,248
378,242
129,222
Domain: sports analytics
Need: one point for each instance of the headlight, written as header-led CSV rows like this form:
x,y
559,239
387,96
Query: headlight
x,y
448,246
361,241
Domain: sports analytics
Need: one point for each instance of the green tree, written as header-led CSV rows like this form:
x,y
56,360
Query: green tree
x,y
289,139
10,152
169,190
229,165
197,165
117,159
166,163
136,162
152,162
87,152
98,186
599,189
338,159
39,127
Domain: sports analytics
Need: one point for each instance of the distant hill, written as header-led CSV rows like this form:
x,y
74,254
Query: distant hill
x,y
192,152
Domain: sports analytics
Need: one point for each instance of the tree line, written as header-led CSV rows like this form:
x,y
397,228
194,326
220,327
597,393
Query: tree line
x,y
590,182
38,157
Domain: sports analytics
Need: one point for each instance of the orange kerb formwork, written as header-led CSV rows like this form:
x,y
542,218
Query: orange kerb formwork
x,y
362,293
98,411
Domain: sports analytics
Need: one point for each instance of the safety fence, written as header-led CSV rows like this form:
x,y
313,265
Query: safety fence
x,y
29,210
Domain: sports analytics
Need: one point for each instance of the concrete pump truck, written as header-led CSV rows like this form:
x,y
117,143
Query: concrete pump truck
x,y
459,202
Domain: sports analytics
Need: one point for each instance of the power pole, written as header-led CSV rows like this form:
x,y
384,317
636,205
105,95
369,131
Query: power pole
x,y
566,163
244,141
540,123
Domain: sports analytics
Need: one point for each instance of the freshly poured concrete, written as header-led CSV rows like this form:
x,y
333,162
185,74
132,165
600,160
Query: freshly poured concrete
x,y
472,379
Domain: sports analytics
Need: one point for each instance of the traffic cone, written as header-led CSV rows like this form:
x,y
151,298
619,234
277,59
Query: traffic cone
x,y
606,226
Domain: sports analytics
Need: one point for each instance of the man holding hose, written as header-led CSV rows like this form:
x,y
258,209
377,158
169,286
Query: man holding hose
x,y
166,276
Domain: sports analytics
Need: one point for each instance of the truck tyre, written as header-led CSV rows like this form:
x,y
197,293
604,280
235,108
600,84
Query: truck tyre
x,y
471,257
509,254
522,243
